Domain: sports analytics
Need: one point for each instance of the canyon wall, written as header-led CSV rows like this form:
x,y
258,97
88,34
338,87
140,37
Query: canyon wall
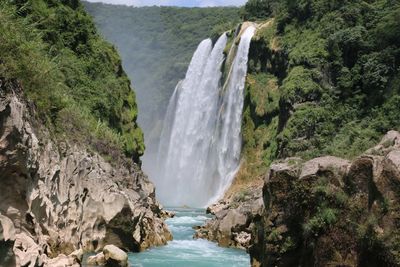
x,y
59,197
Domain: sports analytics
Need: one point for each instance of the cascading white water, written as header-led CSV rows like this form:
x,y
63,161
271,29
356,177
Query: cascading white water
x,y
230,117
200,143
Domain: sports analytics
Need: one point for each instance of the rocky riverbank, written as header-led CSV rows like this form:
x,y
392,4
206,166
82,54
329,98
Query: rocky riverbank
x,y
326,211
57,197
232,224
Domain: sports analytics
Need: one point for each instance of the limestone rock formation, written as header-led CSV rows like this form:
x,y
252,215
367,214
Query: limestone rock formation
x,y
115,256
97,259
110,256
7,238
57,197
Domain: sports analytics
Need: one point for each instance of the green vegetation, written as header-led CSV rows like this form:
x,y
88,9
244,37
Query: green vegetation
x,y
328,218
156,44
73,77
323,78
323,219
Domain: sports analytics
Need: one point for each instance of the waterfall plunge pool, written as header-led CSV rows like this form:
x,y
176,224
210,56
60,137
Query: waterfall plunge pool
x,y
184,251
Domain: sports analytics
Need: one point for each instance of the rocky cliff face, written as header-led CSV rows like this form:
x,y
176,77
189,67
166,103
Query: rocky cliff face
x,y
326,211
57,197
332,212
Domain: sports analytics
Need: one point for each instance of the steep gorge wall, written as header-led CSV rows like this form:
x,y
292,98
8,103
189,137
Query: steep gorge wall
x,y
327,211
57,197
330,211
69,142
300,106
314,89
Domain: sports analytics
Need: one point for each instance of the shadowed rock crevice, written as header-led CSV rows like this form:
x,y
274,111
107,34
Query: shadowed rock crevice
x,y
119,231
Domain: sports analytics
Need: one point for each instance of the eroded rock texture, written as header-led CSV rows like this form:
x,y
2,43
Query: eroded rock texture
x,y
56,197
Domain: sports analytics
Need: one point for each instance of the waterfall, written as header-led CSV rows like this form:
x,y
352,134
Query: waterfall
x,y
200,144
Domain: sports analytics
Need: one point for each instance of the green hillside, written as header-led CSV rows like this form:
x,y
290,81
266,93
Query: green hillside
x,y
72,76
323,79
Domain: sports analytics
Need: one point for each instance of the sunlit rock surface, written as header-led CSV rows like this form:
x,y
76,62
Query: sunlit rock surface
x,y
57,197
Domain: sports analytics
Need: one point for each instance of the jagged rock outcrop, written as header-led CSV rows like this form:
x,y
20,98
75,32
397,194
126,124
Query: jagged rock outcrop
x,y
115,256
57,197
7,238
97,259
232,223
331,212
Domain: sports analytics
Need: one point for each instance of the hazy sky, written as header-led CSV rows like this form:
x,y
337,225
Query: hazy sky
x,y
187,3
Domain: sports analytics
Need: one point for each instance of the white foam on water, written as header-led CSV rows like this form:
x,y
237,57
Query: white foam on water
x,y
188,251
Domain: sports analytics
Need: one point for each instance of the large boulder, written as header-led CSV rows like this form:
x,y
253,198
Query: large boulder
x,y
115,256
97,259
337,167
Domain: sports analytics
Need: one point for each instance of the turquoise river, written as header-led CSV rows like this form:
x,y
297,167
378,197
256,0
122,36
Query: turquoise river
x,y
184,251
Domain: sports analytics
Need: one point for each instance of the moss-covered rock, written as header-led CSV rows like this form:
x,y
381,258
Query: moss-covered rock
x,y
331,212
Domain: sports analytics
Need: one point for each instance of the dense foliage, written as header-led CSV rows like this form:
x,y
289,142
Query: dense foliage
x,y
323,78
73,77
156,45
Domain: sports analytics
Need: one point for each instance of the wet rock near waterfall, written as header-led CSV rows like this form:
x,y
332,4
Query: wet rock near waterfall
x,y
232,223
111,256
58,197
217,207
115,257
166,214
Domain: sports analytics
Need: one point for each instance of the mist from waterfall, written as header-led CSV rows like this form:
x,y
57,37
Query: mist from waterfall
x,y
200,145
